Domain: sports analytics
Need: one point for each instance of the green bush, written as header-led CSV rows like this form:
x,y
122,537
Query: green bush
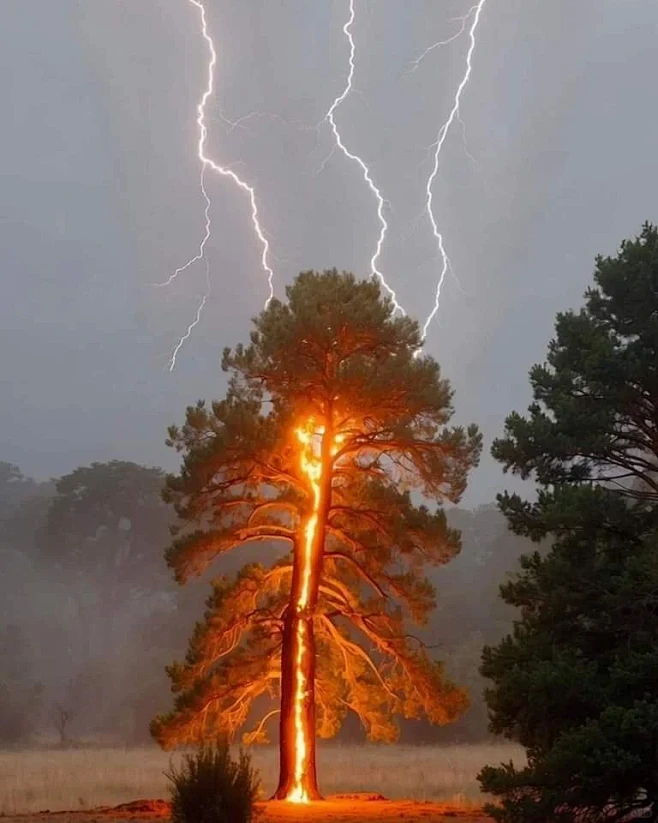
x,y
211,787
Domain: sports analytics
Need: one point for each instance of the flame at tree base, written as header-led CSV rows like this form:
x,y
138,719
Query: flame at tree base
x,y
299,793
298,778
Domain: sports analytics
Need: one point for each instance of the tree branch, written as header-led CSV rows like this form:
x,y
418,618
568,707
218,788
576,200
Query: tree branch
x,y
357,651
355,564
252,736
266,532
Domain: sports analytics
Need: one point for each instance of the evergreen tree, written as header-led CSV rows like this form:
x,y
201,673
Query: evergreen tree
x,y
575,683
330,421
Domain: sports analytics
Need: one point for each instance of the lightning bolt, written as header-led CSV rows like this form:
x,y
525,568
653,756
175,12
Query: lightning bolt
x,y
476,13
195,322
258,115
381,203
223,171
463,20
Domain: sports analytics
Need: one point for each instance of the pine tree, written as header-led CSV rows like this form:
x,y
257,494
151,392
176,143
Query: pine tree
x,y
575,683
330,422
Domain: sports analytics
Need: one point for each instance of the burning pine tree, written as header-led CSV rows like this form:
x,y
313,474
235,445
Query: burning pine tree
x,y
330,421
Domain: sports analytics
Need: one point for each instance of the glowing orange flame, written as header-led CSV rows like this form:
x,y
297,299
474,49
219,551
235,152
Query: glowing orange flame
x,y
311,463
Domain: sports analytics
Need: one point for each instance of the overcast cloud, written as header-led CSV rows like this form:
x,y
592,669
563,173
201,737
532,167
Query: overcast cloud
x,y
100,197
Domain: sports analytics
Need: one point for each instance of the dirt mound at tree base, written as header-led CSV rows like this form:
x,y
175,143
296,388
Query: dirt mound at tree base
x,y
150,807
360,810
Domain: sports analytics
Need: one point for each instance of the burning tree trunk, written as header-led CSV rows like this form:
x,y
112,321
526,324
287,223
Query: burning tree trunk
x,y
297,778
297,770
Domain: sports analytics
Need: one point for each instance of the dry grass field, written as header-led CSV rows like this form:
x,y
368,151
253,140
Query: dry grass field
x,y
82,779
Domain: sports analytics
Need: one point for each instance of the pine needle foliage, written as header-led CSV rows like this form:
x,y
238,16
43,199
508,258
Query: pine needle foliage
x,y
333,352
575,682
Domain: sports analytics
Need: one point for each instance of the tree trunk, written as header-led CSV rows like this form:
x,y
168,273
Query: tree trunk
x,y
297,770
290,788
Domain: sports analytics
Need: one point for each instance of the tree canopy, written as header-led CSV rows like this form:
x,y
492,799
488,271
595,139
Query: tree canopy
x,y
104,529
108,517
594,416
575,681
331,422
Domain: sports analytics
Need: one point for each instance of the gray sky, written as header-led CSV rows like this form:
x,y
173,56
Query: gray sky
x,y
100,195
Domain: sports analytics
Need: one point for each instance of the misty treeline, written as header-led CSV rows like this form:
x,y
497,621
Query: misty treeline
x,y
90,616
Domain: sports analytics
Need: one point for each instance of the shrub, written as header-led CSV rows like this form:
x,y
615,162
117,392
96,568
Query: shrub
x,y
212,787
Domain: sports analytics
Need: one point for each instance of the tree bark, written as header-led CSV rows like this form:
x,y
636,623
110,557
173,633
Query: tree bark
x,y
292,666
287,727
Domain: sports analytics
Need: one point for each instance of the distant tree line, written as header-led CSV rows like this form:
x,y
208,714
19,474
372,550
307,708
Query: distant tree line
x,y
88,607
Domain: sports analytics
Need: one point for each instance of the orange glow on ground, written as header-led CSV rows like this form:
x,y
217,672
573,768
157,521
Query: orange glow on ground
x,y
332,810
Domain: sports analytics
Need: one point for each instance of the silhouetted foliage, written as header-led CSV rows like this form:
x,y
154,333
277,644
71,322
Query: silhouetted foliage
x,y
575,683
23,507
14,488
20,695
104,530
61,716
211,787
109,517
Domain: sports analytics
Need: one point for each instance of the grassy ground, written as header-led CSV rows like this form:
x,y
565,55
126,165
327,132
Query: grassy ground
x,y
85,778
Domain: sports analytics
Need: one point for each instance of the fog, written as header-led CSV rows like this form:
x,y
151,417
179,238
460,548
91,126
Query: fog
x,y
89,616
553,162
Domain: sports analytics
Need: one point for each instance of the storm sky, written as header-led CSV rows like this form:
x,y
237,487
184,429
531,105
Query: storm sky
x,y
557,162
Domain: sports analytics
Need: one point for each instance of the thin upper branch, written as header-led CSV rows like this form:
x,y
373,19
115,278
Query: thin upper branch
x,y
356,565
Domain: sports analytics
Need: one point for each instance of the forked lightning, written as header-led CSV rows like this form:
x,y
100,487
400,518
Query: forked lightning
x,y
367,176
207,162
476,12
474,15
463,20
